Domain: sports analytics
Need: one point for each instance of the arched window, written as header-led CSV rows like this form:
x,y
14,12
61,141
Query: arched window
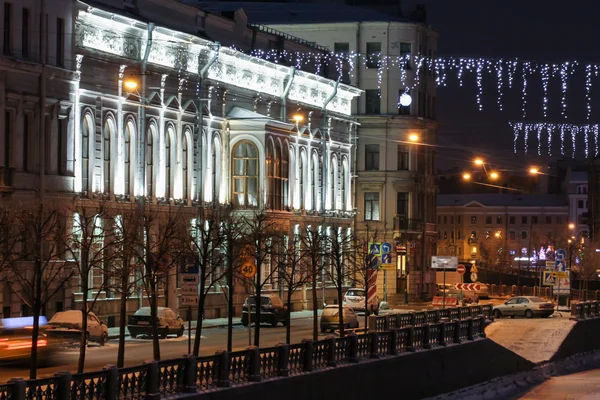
x,y
108,132
169,148
245,175
344,185
150,160
129,133
86,129
314,182
285,176
277,178
269,162
216,168
184,166
333,178
302,180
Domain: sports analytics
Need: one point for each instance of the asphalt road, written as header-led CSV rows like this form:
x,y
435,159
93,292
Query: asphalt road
x,y
139,350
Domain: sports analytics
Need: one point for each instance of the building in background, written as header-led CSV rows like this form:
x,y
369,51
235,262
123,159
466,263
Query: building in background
x,y
394,186
75,131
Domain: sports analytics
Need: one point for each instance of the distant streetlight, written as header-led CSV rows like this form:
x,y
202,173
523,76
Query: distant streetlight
x,y
494,175
130,84
534,171
466,176
478,161
413,137
571,225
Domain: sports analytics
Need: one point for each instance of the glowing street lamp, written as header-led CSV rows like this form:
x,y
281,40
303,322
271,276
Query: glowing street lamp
x,y
413,137
571,225
478,161
298,118
534,170
494,175
466,176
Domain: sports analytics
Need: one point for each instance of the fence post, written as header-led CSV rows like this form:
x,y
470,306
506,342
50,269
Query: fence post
x,y
413,319
410,338
283,359
393,350
386,323
111,389
482,326
152,380
427,337
372,323
374,345
470,329
64,385
254,373
331,352
308,355
19,388
457,331
189,377
223,371
442,338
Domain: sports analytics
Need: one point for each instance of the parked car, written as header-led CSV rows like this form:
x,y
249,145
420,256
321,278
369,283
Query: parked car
x,y
169,323
68,325
526,306
483,292
330,318
272,310
15,341
355,299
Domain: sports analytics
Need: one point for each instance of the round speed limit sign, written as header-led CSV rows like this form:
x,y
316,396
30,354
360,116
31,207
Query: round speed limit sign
x,y
248,269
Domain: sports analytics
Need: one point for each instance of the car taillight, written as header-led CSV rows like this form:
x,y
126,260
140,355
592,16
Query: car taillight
x,y
25,344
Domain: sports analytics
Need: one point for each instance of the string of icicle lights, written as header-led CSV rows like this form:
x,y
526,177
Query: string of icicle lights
x,y
505,74
570,138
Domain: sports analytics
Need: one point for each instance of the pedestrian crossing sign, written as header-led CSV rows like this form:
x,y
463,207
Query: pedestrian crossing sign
x,y
549,278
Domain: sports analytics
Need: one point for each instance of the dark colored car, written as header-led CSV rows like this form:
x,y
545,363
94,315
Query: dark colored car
x,y
272,310
169,323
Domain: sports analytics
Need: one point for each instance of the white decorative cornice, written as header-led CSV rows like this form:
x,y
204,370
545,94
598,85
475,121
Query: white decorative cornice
x,y
99,30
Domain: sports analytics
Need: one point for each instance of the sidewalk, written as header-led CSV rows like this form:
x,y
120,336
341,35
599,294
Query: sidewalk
x,y
113,333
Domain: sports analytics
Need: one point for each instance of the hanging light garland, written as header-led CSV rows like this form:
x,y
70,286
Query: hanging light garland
x,y
447,68
586,134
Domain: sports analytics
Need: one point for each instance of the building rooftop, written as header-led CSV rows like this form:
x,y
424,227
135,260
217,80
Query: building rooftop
x,y
297,13
496,199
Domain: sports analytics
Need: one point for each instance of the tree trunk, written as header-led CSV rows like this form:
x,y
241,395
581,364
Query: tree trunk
x,y
200,318
230,296
122,321
258,303
288,319
37,309
340,303
154,318
315,305
84,324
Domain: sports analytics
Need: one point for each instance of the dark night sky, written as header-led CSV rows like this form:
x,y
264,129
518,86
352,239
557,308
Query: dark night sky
x,y
536,30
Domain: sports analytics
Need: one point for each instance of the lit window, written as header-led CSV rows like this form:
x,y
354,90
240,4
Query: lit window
x,y
245,175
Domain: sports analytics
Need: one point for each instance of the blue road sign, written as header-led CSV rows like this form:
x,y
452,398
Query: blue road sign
x,y
560,266
386,258
375,248
386,247
560,254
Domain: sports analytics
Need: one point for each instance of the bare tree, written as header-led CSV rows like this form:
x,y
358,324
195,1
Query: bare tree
x,y
589,264
124,275
89,250
205,242
9,241
294,274
232,232
260,230
154,251
313,244
39,272
339,265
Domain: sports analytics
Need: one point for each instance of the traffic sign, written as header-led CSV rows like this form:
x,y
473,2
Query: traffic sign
x,y
549,279
189,300
444,262
560,265
401,250
188,280
560,254
474,276
468,286
461,269
375,248
248,269
386,247
474,268
386,259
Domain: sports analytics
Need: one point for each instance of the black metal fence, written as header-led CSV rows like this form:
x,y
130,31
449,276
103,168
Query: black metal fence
x,y
401,333
585,309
